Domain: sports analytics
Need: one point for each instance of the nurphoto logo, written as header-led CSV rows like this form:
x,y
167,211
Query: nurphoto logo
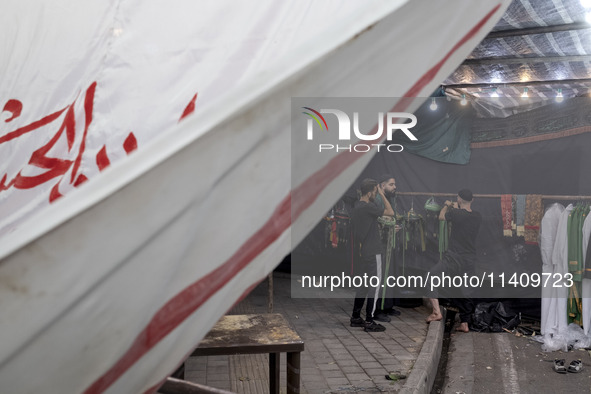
x,y
393,121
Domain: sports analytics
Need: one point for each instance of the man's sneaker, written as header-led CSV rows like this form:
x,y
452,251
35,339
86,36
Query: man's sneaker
x,y
382,317
394,312
372,326
357,322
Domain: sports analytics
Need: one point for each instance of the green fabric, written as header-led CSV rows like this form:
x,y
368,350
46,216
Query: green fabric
x,y
443,135
431,205
415,232
390,225
571,235
443,238
380,202
575,223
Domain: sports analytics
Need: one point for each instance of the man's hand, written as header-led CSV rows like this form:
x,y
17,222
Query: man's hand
x,y
443,211
388,211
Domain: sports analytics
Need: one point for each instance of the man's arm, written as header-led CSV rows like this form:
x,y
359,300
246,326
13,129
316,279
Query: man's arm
x,y
444,210
388,211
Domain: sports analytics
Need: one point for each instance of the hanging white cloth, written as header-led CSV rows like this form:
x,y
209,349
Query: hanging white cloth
x,y
586,282
549,227
557,315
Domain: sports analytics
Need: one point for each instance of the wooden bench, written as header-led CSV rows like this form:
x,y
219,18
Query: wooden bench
x,y
252,334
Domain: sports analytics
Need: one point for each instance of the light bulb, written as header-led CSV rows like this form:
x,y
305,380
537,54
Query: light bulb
x,y
463,101
524,94
433,105
559,97
586,3
494,93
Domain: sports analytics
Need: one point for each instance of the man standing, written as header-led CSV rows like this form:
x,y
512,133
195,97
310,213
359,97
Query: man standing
x,y
460,257
368,249
388,184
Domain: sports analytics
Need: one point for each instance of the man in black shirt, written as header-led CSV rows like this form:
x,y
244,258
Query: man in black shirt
x,y
368,250
461,253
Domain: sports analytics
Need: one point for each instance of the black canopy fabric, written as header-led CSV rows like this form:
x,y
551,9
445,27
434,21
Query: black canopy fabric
x,y
548,159
550,164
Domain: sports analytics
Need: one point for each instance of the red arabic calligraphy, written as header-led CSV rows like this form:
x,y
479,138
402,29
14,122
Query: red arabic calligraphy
x,y
56,167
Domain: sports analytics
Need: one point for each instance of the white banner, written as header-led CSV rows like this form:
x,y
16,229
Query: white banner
x,y
174,121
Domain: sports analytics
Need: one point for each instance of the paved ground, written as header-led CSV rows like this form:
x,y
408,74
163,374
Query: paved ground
x,y
337,358
505,363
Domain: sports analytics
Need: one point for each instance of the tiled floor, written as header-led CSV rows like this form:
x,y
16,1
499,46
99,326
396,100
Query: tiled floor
x,y
337,358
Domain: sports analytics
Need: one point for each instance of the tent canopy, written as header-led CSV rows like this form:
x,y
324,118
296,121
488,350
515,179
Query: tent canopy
x,y
542,47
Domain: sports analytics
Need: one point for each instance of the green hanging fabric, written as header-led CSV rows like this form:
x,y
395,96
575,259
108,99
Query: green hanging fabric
x,y
575,223
389,225
403,241
571,235
443,238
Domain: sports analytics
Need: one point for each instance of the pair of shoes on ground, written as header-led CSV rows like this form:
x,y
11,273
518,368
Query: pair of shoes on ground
x,y
368,326
575,366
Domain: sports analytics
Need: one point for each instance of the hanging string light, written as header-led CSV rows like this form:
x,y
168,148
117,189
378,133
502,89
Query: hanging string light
x,y
494,93
524,94
433,105
559,97
463,101
586,4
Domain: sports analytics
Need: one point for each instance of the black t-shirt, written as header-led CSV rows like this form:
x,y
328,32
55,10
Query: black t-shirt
x,y
464,229
365,228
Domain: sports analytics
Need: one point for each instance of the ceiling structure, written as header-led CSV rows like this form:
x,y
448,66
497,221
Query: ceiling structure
x,y
539,51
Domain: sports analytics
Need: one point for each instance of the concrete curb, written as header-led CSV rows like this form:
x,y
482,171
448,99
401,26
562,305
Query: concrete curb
x,y
422,375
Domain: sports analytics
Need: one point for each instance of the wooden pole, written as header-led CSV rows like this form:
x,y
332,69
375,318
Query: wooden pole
x,y
270,292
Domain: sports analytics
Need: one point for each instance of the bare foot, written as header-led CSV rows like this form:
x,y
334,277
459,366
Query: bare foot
x,y
463,327
434,317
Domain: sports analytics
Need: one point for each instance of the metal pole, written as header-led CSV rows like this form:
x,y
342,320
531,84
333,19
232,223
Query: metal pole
x,y
545,197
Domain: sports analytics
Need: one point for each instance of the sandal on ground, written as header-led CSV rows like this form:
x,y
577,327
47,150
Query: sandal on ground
x,y
559,366
374,327
575,366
